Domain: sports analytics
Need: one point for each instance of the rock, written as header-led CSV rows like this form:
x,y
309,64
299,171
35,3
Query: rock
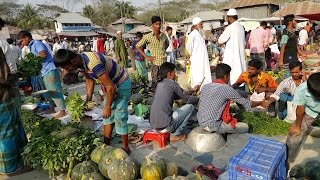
x,y
202,141
314,131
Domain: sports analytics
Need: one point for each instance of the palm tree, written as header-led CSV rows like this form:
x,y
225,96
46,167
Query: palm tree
x,y
88,11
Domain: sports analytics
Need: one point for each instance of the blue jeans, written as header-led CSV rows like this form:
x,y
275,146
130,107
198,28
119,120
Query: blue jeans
x,y
284,98
180,119
171,57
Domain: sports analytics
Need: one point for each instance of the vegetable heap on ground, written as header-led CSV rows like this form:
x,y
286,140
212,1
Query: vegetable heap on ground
x,y
30,66
76,107
54,147
261,123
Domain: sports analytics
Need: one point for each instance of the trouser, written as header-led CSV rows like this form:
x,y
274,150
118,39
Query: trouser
x,y
294,142
53,85
282,108
261,57
155,76
220,127
180,118
171,57
141,68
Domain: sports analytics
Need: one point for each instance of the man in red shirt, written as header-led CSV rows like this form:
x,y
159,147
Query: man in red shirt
x,y
100,45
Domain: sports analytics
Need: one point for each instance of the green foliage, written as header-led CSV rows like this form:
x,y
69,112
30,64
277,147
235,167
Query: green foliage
x,y
30,66
30,120
261,123
76,107
53,154
30,100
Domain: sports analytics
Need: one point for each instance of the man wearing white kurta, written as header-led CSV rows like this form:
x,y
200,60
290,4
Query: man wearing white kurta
x,y
234,38
196,47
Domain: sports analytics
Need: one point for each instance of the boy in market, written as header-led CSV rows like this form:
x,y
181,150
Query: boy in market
x,y
307,99
116,86
162,116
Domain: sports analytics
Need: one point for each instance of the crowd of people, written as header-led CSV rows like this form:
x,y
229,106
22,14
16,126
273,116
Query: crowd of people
x,y
236,80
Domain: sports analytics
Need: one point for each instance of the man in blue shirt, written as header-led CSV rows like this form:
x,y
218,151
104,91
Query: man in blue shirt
x,y
307,99
49,72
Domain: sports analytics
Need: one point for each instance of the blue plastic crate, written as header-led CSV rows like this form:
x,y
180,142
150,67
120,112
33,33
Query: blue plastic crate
x,y
43,106
260,159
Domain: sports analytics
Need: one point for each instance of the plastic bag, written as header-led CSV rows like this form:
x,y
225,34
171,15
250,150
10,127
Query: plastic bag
x,y
258,97
291,115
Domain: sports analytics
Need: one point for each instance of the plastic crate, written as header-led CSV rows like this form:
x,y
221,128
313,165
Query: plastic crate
x,y
260,159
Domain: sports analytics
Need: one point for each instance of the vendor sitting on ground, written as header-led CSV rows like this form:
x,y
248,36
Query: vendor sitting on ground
x,y
214,104
116,86
307,99
162,116
256,80
286,89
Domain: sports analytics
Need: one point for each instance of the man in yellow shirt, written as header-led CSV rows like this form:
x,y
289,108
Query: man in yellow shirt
x,y
157,43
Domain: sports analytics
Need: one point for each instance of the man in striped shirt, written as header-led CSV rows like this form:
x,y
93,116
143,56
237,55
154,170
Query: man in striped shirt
x,y
286,89
116,86
157,43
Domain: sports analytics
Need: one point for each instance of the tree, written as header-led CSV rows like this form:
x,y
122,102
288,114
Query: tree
x,y
128,10
88,12
50,11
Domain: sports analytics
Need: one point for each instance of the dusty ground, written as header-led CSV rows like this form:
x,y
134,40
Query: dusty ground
x,y
184,156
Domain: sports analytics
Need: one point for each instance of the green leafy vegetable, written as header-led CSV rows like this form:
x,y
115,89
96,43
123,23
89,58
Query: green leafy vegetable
x,y
261,123
30,99
76,107
30,66
141,110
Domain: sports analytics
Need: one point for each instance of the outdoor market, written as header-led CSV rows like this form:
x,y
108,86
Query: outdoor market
x,y
222,90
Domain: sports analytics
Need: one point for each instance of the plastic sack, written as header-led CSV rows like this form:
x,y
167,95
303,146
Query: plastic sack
x,y
291,112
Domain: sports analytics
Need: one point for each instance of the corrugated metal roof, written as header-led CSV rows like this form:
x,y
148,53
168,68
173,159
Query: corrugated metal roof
x,y
246,3
72,18
127,21
142,29
204,16
77,34
299,8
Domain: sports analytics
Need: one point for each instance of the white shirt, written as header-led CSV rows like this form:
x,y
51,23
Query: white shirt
x,y
4,45
65,45
200,67
14,55
273,33
170,47
234,54
303,37
286,86
56,47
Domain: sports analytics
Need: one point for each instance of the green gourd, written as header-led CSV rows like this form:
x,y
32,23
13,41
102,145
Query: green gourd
x,y
123,169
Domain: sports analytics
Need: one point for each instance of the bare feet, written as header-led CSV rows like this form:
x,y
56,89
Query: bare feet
x,y
178,138
61,114
127,150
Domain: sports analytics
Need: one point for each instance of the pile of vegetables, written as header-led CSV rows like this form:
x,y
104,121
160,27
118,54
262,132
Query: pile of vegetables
x,y
54,147
30,100
30,66
261,123
276,75
76,107
311,170
138,84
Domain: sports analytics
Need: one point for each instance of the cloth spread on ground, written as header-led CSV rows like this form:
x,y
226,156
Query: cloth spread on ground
x,y
226,115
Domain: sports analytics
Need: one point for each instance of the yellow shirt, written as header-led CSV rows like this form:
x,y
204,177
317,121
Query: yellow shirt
x,y
157,47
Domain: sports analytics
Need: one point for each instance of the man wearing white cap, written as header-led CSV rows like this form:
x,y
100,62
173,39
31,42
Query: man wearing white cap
x,y
196,47
121,51
234,38
65,44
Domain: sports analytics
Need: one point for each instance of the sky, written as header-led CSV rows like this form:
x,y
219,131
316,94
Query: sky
x,y
139,3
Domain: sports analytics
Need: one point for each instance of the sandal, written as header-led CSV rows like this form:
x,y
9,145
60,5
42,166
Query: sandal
x,y
135,138
208,170
178,138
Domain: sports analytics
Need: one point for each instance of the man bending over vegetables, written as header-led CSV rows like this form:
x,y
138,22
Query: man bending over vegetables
x,y
49,72
115,82
307,99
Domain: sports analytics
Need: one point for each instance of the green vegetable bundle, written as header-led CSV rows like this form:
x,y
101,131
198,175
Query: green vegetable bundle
x,y
30,66
76,107
57,151
30,99
261,123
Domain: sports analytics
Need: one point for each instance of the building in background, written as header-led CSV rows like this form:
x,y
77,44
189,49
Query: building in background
x,y
211,20
253,8
129,24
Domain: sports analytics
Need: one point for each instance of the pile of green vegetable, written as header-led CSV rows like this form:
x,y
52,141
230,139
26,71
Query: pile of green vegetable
x,y
76,107
30,100
30,66
54,147
261,123
311,170
138,84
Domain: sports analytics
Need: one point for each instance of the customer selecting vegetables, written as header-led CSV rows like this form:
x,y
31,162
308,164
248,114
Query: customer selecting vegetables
x,y
49,72
115,83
